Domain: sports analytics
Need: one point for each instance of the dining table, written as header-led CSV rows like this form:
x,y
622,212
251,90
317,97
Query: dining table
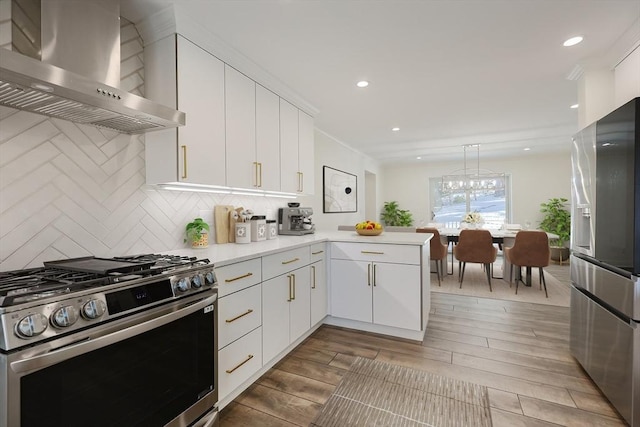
x,y
502,237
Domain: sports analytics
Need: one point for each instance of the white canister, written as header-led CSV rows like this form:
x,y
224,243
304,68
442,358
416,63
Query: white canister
x,y
243,232
272,229
258,228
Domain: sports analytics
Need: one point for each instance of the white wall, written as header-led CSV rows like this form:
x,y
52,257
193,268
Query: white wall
x,y
535,178
331,152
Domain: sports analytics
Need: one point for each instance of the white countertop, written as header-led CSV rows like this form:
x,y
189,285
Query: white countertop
x,y
228,253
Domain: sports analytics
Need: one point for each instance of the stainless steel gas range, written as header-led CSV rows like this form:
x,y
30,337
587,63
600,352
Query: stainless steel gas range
x,y
109,342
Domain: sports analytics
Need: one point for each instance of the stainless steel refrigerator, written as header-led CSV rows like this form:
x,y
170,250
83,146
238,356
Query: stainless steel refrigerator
x,y
605,260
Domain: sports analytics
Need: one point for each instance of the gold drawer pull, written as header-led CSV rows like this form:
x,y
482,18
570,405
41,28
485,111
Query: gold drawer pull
x,y
313,269
239,316
290,261
316,253
372,252
238,278
249,357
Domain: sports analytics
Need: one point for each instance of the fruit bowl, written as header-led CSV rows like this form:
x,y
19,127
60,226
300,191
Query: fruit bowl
x,y
366,232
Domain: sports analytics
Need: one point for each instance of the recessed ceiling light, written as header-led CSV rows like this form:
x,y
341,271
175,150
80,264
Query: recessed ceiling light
x,y
395,129
418,158
362,83
572,41
527,149
574,106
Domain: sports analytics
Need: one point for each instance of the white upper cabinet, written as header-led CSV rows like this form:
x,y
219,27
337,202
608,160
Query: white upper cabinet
x,y
306,152
181,74
267,139
290,175
240,108
296,149
253,133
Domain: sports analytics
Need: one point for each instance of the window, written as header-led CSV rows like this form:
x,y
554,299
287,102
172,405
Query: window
x,y
450,203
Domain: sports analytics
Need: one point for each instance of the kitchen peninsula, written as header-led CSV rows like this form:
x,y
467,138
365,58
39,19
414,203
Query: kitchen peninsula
x,y
274,293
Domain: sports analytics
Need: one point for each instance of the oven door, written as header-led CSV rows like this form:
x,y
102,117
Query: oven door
x,y
156,368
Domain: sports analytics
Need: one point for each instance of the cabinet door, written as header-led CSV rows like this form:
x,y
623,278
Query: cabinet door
x,y
276,297
318,292
351,290
306,152
290,180
238,361
396,295
267,139
201,141
240,118
299,316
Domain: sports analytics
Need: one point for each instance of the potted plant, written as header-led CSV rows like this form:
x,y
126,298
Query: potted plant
x,y
393,215
557,220
197,233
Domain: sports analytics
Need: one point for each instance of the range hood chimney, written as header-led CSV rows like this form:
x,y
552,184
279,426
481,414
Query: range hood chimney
x,y
69,67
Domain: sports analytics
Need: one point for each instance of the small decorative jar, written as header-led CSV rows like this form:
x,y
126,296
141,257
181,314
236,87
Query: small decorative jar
x,y
272,229
243,232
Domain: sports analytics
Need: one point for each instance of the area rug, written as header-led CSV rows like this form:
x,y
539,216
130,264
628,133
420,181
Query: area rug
x,y
475,285
375,393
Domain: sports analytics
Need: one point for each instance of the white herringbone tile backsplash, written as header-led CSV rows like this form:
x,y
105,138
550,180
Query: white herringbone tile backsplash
x,y
69,190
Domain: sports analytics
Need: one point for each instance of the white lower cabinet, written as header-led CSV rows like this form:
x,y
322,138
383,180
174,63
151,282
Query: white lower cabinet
x,y
319,290
238,361
367,289
285,310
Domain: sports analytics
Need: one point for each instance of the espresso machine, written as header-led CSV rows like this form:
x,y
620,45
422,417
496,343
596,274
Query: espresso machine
x,y
295,221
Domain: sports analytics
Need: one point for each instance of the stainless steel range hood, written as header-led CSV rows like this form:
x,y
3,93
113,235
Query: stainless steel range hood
x,y
80,54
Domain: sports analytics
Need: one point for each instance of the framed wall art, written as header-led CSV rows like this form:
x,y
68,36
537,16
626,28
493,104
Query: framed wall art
x,y
340,191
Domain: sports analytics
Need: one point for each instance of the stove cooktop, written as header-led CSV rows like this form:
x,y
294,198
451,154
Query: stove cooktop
x,y
64,277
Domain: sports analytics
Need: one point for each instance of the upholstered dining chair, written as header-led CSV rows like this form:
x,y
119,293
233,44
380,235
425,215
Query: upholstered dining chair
x,y
475,246
437,250
530,249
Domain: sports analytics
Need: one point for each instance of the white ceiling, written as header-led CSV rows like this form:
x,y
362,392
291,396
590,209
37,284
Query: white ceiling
x,y
446,72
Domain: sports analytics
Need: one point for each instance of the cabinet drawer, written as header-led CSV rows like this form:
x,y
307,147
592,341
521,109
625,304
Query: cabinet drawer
x,y
282,262
400,254
318,251
235,277
238,361
238,314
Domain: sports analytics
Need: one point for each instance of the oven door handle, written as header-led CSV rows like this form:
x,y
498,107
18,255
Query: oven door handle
x,y
93,342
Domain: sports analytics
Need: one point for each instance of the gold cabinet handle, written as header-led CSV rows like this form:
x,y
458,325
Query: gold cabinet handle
x,y
239,316
372,252
300,182
255,181
238,278
313,269
316,253
184,162
290,288
368,274
294,287
290,261
249,357
260,174
374,275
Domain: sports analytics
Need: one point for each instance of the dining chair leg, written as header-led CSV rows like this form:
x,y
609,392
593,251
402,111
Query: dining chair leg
x,y
544,282
487,268
438,271
464,264
510,274
518,274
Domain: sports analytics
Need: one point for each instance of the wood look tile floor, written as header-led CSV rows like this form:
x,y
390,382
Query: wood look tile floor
x,y
520,351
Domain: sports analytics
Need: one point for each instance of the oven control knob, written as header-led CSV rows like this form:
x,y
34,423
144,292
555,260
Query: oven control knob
x,y
31,325
93,309
210,278
64,316
183,284
196,281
